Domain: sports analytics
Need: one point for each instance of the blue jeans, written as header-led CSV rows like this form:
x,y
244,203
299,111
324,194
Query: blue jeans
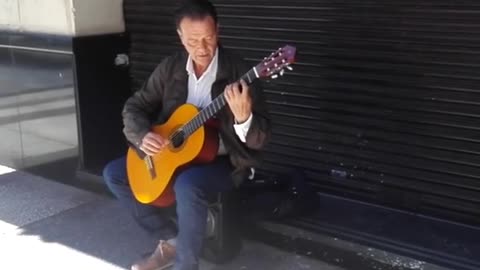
x,y
193,187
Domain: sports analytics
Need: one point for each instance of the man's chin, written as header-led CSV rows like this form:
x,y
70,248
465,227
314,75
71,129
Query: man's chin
x,y
204,60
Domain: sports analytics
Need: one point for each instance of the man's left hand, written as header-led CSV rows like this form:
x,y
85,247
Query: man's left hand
x,y
239,100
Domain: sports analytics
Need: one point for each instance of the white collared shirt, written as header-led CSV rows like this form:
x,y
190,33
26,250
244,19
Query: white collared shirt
x,y
199,94
199,88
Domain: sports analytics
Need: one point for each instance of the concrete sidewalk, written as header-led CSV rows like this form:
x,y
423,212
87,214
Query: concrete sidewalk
x,y
49,225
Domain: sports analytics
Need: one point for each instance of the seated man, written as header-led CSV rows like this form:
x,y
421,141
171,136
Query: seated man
x,y
194,75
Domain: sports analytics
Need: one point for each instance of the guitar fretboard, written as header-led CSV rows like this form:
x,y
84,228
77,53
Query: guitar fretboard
x,y
214,107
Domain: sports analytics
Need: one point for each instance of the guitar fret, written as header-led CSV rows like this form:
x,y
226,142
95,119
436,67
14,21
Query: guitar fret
x,y
222,101
192,126
210,111
214,111
251,74
197,122
246,77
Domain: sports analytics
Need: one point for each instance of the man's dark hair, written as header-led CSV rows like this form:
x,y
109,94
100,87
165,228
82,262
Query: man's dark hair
x,y
195,9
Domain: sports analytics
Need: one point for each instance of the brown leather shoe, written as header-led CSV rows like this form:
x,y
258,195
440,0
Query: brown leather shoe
x,y
161,258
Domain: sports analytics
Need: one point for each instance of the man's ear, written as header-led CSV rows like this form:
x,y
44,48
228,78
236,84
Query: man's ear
x,y
180,36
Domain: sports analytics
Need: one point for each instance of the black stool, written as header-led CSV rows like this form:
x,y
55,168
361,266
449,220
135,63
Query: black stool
x,y
223,241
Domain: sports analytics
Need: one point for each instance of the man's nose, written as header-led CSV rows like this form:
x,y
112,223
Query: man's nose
x,y
203,45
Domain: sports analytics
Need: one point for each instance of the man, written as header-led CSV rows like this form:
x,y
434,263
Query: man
x,y
197,75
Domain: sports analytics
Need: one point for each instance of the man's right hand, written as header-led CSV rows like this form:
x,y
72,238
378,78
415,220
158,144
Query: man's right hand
x,y
153,143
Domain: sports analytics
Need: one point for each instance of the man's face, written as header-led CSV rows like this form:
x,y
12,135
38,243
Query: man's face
x,y
200,39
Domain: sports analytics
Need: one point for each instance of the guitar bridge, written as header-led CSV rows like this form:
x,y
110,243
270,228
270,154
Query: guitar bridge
x,y
151,167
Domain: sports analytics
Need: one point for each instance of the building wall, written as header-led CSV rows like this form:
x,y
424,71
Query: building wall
x,y
62,17
38,58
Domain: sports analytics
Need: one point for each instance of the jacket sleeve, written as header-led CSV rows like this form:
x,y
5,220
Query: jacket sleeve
x,y
140,107
260,129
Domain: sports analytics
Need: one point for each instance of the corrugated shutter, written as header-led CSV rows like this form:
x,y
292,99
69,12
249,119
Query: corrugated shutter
x,y
383,104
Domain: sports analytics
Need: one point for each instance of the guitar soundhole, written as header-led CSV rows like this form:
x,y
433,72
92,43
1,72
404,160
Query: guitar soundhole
x,y
177,138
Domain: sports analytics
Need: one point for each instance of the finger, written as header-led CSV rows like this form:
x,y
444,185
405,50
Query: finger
x,y
228,95
244,87
149,151
155,136
237,85
236,89
152,142
227,87
152,145
165,143
159,139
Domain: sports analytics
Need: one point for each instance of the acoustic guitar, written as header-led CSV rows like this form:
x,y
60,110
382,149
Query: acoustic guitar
x,y
190,139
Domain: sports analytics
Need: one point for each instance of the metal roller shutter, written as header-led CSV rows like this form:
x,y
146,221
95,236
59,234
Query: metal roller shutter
x,y
382,104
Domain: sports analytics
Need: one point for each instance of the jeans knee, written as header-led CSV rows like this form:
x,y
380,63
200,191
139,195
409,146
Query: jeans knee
x,y
108,173
185,187
114,173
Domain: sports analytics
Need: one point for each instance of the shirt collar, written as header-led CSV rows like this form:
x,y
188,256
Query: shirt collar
x,y
211,69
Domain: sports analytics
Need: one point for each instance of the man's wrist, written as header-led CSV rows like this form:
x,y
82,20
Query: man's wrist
x,y
242,120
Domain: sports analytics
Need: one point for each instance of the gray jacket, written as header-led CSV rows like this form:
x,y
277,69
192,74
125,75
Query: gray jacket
x,y
166,89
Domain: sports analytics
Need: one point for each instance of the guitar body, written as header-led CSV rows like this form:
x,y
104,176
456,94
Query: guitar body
x,y
154,185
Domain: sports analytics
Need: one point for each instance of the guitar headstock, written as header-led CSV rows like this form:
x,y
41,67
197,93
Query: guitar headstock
x,y
276,63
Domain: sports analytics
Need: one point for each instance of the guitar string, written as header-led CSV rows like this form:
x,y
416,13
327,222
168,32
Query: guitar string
x,y
199,116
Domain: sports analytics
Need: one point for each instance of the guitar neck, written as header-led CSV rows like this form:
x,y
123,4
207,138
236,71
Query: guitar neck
x,y
215,106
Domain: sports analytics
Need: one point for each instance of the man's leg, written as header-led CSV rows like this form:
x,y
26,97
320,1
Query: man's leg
x,y
193,186
154,220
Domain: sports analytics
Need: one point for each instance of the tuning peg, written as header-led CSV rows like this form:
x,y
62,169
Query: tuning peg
x,y
274,76
281,72
289,68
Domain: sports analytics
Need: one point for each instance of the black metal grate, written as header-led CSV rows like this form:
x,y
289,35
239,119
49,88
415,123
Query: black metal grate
x,y
382,104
